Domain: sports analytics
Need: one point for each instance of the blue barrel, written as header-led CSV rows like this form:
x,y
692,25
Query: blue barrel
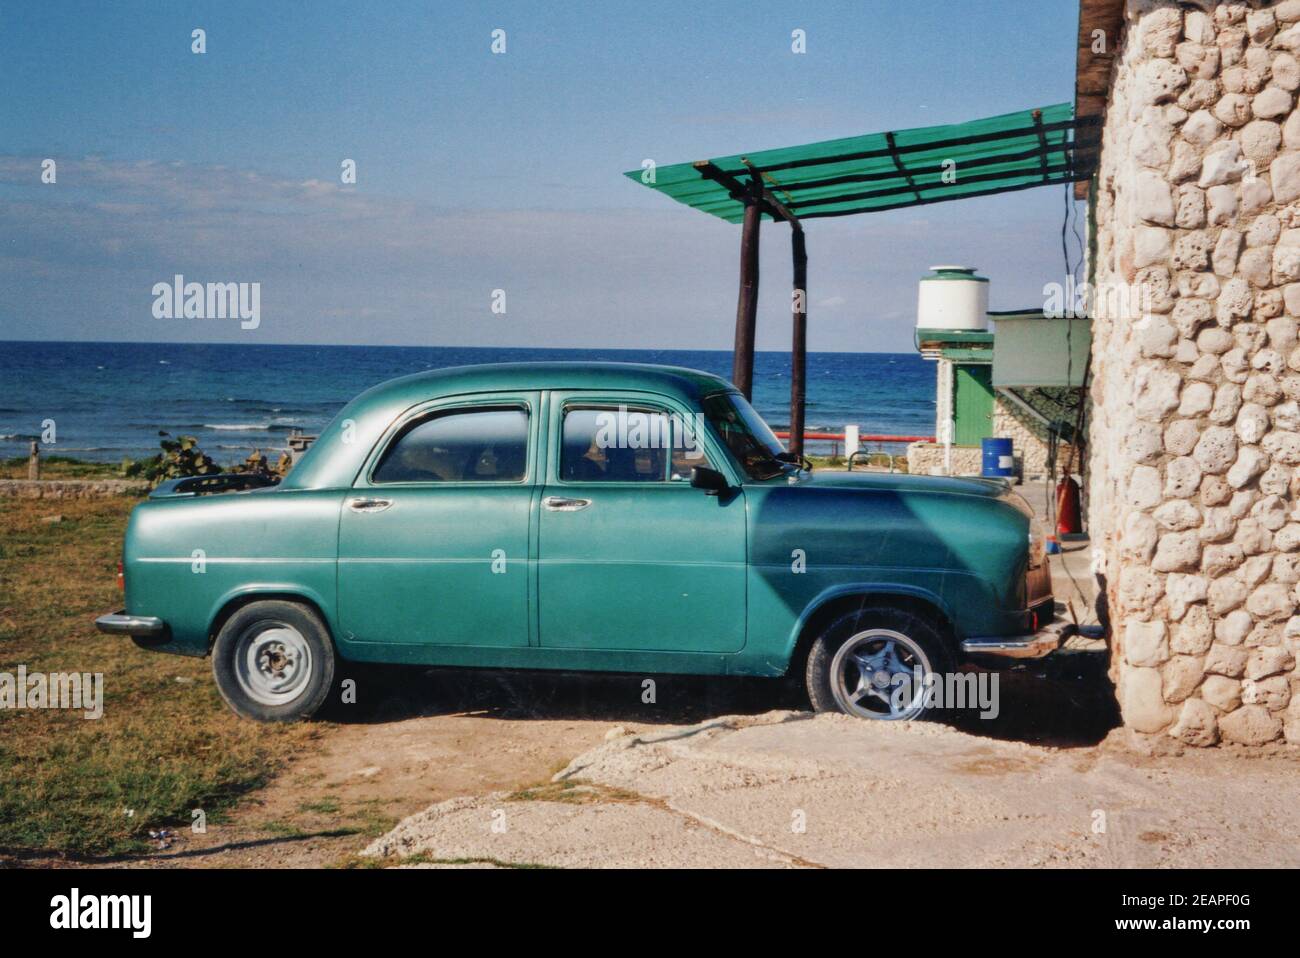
x,y
999,458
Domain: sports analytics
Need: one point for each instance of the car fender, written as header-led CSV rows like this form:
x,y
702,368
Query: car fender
x,y
291,591
866,589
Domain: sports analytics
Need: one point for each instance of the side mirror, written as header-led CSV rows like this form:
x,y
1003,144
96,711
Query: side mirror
x,y
710,480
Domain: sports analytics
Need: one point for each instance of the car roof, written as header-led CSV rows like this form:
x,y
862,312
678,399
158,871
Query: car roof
x,y
336,456
491,377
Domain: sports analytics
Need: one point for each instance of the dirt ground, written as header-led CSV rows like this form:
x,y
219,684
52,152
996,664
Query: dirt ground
x,y
419,737
420,769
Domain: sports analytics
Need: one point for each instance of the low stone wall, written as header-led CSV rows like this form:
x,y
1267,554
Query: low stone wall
x,y
71,488
1029,439
927,459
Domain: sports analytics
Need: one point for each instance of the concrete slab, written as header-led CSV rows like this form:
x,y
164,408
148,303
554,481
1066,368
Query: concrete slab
x,y
787,789
501,830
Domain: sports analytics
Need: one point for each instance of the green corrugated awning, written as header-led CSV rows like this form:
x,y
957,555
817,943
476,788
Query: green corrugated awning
x,y
883,171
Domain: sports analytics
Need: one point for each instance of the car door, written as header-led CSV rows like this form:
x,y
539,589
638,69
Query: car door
x,y
433,538
630,556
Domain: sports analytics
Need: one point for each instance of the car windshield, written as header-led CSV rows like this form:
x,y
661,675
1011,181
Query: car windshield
x,y
746,435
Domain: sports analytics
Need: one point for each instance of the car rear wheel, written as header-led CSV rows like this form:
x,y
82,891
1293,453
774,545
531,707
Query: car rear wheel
x,y
274,662
873,663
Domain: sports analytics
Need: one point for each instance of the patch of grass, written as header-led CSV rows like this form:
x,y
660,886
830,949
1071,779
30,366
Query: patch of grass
x,y
424,858
574,792
163,748
877,460
325,806
358,861
291,830
60,467
372,822
367,817
284,829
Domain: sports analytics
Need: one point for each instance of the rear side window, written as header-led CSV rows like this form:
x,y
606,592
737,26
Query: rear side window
x,y
615,444
467,445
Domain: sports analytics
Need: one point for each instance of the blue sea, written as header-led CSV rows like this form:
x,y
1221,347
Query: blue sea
x,y
110,400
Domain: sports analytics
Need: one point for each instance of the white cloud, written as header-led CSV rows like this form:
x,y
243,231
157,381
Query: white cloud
x,y
338,264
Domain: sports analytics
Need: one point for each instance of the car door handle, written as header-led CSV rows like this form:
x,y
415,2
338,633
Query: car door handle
x,y
561,504
369,505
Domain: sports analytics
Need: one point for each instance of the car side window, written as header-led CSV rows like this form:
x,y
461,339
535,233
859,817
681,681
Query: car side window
x,y
615,444
461,445
688,449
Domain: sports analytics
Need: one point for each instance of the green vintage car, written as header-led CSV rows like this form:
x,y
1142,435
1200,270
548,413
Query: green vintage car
x,y
588,517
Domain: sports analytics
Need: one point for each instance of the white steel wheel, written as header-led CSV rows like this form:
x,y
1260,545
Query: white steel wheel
x,y
272,663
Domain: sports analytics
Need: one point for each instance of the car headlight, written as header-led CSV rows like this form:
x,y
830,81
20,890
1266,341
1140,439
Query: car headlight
x,y
1037,544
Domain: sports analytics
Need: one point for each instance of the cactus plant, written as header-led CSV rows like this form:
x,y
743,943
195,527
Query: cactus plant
x,y
180,458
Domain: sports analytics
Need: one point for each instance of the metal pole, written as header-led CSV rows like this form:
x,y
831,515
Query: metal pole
x,y
742,360
799,346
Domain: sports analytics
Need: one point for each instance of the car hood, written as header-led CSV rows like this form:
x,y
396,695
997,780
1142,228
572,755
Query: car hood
x,y
902,482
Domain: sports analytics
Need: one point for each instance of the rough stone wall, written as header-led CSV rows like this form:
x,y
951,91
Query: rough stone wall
x,y
72,488
1028,435
1195,497
927,459
1012,422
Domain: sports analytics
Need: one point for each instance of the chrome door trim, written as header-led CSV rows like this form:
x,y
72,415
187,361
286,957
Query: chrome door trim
x,y
564,504
369,504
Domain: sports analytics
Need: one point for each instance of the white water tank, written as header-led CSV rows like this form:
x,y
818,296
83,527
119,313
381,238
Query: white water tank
x,y
953,297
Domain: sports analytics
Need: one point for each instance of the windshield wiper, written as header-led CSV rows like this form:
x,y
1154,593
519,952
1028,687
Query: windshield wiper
x,y
799,462
776,465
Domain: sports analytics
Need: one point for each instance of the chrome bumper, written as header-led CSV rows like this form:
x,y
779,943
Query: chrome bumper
x,y
1033,646
119,623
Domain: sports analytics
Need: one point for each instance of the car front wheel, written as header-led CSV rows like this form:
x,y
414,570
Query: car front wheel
x,y
873,663
274,662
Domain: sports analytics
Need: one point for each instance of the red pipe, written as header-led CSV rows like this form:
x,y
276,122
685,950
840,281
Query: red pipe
x,y
862,437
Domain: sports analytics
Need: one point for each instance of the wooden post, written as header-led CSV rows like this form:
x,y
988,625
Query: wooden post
x,y
742,358
799,345
34,461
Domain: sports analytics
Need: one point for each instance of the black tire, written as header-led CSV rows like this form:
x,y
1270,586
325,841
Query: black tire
x,y
919,634
248,667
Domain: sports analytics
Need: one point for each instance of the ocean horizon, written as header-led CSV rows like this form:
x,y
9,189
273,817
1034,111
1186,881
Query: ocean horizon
x,y
110,400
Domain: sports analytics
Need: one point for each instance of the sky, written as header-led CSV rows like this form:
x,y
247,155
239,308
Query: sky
x,y
479,171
